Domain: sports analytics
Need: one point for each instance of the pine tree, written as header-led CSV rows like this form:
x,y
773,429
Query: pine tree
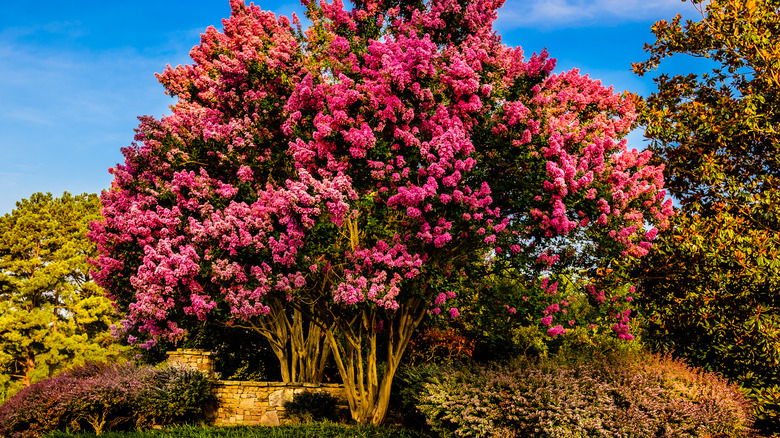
x,y
52,314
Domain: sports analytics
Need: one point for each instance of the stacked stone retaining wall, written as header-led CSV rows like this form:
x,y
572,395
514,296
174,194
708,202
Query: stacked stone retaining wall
x,y
196,359
251,403
262,403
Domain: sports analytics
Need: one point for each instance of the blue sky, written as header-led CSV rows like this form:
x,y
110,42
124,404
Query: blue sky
x,y
74,75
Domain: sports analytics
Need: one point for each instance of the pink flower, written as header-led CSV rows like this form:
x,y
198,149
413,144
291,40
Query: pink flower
x,y
650,235
555,331
454,313
244,173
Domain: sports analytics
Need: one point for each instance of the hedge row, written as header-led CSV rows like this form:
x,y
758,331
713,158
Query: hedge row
x,y
100,397
649,396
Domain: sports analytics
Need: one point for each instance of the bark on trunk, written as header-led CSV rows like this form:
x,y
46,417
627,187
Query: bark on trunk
x,y
355,354
297,342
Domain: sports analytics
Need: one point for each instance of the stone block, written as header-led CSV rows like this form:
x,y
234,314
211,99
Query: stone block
x,y
269,419
247,403
279,397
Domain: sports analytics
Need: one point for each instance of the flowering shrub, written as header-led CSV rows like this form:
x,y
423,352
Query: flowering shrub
x,y
335,184
612,397
101,397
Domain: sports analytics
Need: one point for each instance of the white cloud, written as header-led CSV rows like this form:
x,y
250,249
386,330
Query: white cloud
x,y
555,14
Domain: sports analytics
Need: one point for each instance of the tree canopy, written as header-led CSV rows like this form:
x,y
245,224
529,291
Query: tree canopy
x,y
717,132
52,314
331,187
710,289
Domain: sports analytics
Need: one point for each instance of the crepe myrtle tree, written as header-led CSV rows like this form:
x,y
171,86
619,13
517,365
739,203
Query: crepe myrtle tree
x,y
332,187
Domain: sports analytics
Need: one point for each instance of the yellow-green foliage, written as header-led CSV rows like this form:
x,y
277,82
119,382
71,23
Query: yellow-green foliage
x,y
51,313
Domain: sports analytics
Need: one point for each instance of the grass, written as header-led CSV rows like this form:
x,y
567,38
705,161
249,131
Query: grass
x,y
312,430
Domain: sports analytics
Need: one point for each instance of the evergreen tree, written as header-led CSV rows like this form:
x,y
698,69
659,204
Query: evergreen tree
x,y
52,315
710,287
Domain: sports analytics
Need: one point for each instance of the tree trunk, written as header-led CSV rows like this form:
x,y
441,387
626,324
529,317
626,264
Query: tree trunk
x,y
299,344
355,353
28,369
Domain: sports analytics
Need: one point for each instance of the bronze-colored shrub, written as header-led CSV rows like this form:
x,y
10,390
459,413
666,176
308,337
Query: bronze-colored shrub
x,y
648,396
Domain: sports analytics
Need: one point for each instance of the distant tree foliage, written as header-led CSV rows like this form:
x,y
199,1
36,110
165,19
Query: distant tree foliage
x,y
52,314
710,288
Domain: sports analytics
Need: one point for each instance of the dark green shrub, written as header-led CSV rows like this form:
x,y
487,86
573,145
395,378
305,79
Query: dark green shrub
x,y
767,400
312,406
408,384
239,353
611,397
173,395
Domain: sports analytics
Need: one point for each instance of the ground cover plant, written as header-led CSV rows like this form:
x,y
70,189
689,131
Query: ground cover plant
x,y
649,396
98,397
313,430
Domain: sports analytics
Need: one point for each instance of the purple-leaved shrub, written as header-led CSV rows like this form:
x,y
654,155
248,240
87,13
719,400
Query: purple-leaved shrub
x,y
106,400
650,396
40,407
100,397
32,411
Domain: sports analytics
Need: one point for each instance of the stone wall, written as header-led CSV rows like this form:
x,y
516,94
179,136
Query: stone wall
x,y
250,403
197,359
262,403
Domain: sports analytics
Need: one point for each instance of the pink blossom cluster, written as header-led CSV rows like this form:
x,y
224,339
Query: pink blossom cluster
x,y
367,161
444,300
621,327
587,166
